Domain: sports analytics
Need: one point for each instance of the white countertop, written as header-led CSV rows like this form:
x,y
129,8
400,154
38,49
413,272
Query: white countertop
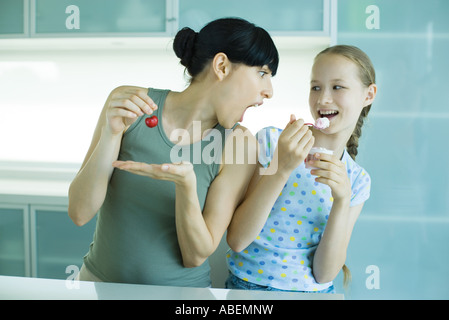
x,y
22,288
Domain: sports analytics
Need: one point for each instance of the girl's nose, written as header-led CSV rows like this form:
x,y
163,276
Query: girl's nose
x,y
325,97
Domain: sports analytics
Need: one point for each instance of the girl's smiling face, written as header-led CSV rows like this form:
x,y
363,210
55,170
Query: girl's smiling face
x,y
337,92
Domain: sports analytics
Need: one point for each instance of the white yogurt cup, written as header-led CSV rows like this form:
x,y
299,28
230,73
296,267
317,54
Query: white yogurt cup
x,y
312,152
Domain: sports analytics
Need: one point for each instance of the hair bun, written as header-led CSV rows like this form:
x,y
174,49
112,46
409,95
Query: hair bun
x,y
184,45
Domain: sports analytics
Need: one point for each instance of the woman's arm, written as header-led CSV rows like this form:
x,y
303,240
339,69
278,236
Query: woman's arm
x,y
199,233
293,146
88,190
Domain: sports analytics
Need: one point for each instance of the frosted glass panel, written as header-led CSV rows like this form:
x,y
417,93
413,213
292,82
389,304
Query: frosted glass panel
x,y
101,16
280,15
395,16
60,243
403,229
12,245
11,17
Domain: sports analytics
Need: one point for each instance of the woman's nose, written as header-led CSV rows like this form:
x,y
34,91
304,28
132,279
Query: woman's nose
x,y
267,92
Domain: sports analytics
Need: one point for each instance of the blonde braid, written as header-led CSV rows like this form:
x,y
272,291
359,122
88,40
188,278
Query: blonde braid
x,y
353,141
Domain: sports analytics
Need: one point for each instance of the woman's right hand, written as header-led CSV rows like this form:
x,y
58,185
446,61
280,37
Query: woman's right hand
x,y
125,104
294,144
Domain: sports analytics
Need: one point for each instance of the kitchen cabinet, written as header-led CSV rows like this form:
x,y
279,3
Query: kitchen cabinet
x,y
137,18
14,18
41,240
100,17
355,18
281,17
14,248
57,242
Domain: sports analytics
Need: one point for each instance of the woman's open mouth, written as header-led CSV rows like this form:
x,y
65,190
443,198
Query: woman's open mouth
x,y
254,105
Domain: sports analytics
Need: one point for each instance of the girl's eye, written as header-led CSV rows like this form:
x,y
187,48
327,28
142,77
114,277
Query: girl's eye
x,y
338,87
262,73
315,88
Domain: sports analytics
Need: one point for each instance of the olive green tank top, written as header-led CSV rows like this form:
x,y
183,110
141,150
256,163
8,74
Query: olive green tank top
x,y
135,240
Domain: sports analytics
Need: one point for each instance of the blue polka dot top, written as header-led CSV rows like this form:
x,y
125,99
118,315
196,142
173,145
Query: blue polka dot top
x,y
282,254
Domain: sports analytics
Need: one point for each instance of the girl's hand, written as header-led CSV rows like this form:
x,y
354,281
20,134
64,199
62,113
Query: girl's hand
x,y
333,173
181,174
294,144
125,104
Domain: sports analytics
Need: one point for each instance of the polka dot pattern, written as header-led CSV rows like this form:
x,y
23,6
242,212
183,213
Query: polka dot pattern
x,y
281,256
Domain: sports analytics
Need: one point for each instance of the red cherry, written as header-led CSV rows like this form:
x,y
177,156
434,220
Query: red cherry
x,y
151,121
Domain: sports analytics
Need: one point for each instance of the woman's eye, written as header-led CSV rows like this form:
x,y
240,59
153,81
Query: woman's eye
x,y
262,73
338,87
315,88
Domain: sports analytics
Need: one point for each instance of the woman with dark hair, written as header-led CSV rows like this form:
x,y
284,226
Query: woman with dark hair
x,y
159,219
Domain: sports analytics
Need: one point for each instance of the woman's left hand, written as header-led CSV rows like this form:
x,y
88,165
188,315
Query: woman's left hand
x,y
182,174
333,173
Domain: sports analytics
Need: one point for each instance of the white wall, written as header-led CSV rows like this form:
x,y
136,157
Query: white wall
x,y
52,90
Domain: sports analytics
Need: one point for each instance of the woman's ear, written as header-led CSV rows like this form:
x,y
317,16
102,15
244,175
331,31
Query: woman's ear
x,y
221,66
371,95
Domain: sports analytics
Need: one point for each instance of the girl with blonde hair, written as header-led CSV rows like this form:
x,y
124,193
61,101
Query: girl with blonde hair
x,y
293,228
